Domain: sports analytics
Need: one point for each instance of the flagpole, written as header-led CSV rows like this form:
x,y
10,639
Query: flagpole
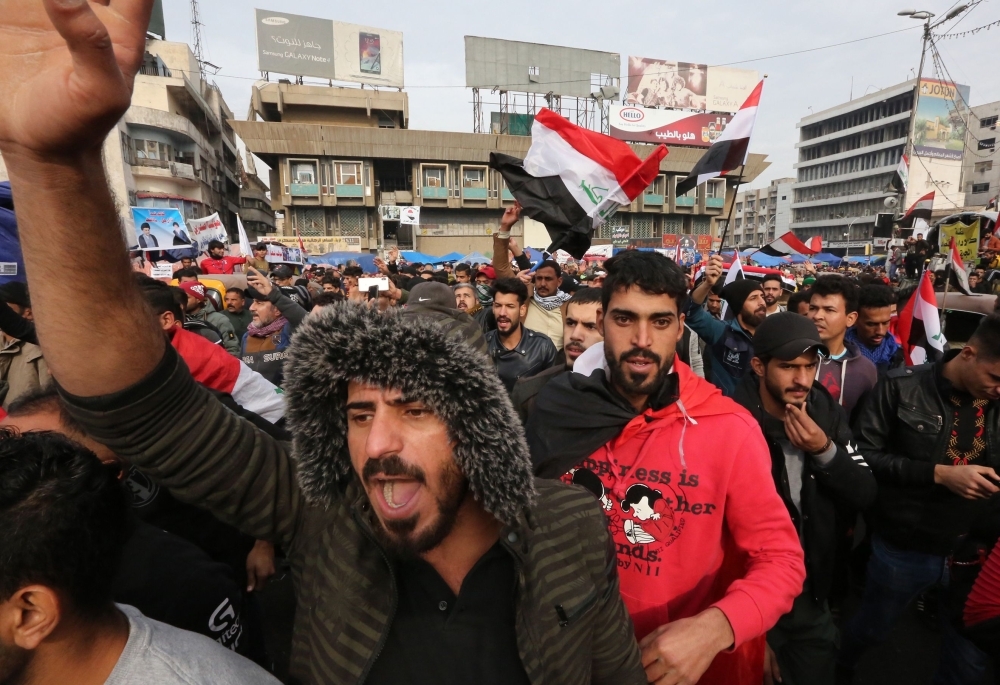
x,y
947,282
732,206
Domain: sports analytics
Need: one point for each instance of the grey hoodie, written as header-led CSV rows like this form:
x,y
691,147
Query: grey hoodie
x,y
847,378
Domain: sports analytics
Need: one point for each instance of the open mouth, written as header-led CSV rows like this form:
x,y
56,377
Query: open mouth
x,y
640,364
396,497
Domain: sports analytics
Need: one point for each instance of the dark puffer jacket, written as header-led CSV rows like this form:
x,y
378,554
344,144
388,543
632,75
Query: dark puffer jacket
x,y
571,624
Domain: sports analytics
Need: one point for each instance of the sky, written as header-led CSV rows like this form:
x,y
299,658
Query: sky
x,y
714,33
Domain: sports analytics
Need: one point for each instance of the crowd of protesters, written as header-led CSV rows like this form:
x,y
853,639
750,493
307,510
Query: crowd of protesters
x,y
517,472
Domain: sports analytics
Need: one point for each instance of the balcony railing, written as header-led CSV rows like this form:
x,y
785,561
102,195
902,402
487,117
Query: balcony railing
x,y
715,202
350,190
474,193
506,195
684,201
435,193
157,163
304,189
652,199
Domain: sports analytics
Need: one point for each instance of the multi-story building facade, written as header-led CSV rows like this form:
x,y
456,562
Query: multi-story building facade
x,y
847,156
339,154
981,162
761,215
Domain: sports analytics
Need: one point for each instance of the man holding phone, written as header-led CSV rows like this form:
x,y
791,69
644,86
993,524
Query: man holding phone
x,y
275,318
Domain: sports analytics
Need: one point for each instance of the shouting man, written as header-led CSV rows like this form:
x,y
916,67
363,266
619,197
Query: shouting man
x,y
516,350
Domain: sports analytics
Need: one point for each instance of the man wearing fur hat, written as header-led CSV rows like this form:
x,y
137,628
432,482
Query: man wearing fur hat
x,y
422,549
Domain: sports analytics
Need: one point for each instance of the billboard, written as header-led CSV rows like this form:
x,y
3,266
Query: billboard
x,y
364,54
686,85
939,124
536,68
291,44
966,239
644,125
307,46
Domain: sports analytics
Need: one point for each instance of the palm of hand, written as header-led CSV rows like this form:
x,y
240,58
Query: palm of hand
x,y
57,100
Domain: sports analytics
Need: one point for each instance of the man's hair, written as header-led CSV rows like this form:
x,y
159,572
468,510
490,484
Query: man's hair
x,y
511,286
63,520
186,273
798,298
771,277
260,246
550,264
462,267
325,299
213,244
145,224
650,272
826,286
330,280
162,297
45,399
875,296
986,339
355,271
236,290
586,296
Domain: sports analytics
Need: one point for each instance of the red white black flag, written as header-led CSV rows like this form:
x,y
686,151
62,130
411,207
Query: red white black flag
x,y
920,326
788,244
921,209
958,269
902,175
573,179
730,149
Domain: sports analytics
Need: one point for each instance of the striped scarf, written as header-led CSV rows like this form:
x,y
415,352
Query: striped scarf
x,y
270,329
553,301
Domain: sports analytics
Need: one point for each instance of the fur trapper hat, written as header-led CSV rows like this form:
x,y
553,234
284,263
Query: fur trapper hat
x,y
347,342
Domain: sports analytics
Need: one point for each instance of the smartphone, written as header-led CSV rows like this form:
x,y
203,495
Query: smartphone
x,y
381,282
369,51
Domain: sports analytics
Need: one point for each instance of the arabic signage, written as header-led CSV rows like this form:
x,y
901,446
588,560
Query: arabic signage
x,y
619,235
684,85
307,46
670,240
409,215
644,125
966,238
939,124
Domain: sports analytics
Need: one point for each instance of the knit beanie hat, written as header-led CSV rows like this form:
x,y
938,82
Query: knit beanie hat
x,y
737,292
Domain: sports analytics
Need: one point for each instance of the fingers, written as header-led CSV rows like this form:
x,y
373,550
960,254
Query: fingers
x,y
984,486
88,40
251,578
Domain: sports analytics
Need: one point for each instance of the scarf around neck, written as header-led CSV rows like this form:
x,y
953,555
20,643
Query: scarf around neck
x,y
553,301
880,355
270,329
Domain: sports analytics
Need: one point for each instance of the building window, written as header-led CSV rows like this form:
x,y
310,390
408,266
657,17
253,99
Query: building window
x,y
672,225
309,221
983,167
353,222
434,177
763,204
988,122
980,187
987,143
739,222
348,173
739,206
702,225
147,151
642,226
533,71
717,190
607,229
303,173
474,177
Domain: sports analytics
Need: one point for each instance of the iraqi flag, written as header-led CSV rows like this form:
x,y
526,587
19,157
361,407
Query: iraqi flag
x,y
788,244
921,209
216,369
919,326
958,269
730,149
735,273
902,175
573,179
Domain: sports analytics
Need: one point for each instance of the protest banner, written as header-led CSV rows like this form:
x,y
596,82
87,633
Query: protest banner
x,y
279,254
162,270
966,238
409,215
208,229
159,228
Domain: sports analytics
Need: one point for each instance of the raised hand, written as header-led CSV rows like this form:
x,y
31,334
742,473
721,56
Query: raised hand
x,y
68,68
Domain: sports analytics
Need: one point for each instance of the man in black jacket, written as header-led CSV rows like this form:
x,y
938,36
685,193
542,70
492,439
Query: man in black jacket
x,y
932,436
516,351
816,470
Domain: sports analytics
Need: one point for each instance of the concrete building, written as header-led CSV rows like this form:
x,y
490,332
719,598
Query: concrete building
x,y
847,156
339,154
761,215
981,162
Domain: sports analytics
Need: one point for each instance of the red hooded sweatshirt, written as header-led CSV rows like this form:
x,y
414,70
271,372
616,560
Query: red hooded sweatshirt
x,y
697,522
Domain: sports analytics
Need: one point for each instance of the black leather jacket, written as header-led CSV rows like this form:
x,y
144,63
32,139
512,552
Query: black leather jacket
x,y
903,432
845,483
534,353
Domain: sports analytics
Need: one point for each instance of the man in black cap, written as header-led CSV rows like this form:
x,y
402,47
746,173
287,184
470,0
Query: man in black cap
x,y
436,301
817,472
728,341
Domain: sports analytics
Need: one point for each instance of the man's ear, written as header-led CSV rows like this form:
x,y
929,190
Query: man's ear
x,y
26,313
600,320
851,319
758,367
29,616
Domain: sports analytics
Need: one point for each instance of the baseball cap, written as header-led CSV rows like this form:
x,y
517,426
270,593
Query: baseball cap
x,y
787,335
194,289
431,293
282,271
488,271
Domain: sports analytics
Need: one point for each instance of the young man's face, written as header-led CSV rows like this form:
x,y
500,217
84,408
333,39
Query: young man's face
x,y
263,312
259,254
546,282
462,277
234,302
402,453
508,313
640,332
873,325
186,262
981,375
465,299
772,291
217,252
754,309
580,330
714,304
829,313
788,382
482,279
330,288
350,282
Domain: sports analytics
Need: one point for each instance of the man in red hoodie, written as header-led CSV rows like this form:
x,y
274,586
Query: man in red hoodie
x,y
217,262
707,554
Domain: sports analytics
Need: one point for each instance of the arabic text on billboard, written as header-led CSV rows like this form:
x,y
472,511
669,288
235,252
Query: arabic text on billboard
x,y
290,44
685,85
644,125
966,239
939,124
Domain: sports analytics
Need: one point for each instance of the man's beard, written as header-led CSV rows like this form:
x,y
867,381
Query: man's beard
x,y
778,392
396,536
575,347
769,300
756,318
512,331
14,663
640,384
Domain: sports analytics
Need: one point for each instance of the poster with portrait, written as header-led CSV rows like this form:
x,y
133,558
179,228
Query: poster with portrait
x,y
687,250
159,228
665,83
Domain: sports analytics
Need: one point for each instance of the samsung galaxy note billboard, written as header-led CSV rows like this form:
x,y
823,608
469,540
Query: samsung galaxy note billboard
x,y
307,46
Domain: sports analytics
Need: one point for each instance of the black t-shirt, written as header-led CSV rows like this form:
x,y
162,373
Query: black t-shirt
x,y
172,581
437,638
